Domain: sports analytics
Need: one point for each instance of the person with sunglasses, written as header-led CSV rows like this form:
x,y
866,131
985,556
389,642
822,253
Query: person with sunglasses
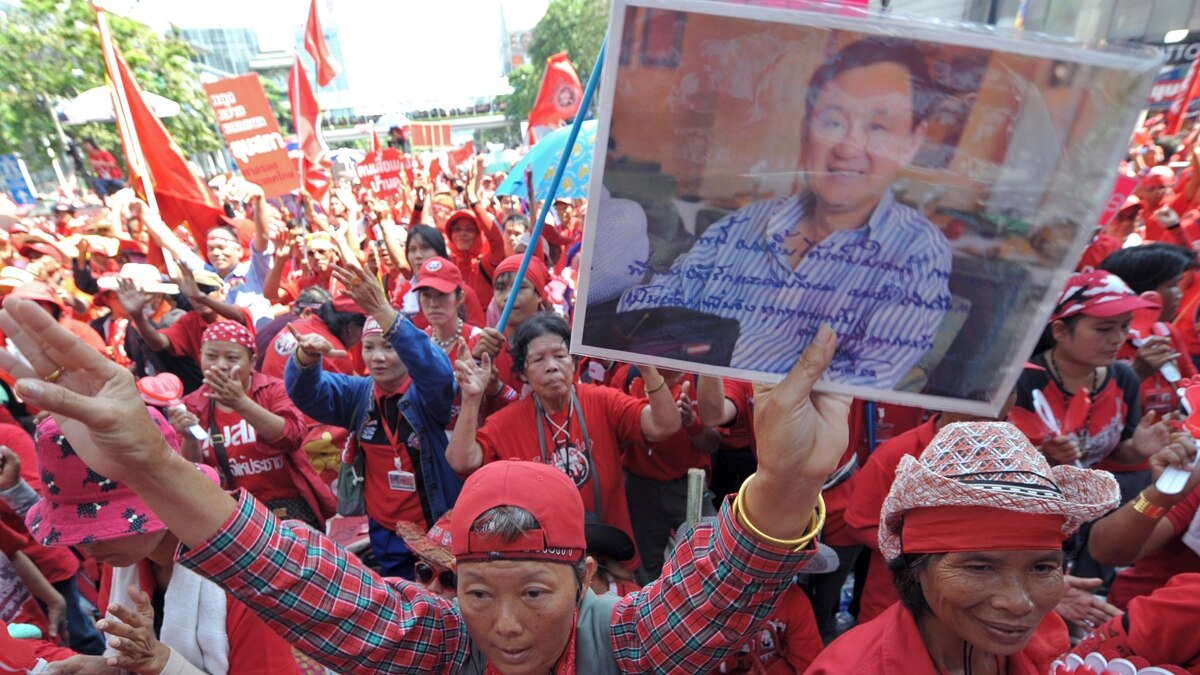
x,y
434,568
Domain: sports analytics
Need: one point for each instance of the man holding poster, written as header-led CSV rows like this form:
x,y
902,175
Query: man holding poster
x,y
842,251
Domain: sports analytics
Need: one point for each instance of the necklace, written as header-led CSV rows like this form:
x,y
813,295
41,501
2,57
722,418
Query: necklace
x,y
560,433
448,343
1058,378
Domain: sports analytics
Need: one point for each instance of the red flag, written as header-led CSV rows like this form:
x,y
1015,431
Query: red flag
x,y
182,196
314,44
462,154
314,161
1179,107
558,98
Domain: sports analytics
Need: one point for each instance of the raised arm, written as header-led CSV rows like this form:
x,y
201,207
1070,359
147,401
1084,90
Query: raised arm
x,y
321,597
725,574
660,419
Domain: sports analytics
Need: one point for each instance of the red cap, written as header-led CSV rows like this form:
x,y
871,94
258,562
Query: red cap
x,y
439,274
1097,293
345,303
38,291
542,490
1158,176
40,248
537,273
1131,202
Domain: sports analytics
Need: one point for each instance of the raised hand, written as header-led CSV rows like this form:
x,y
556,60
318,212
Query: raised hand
x,y
132,299
801,439
687,414
363,288
96,402
1151,434
472,377
311,348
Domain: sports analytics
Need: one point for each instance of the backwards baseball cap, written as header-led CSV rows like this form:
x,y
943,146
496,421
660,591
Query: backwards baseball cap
x,y
439,274
542,490
1098,293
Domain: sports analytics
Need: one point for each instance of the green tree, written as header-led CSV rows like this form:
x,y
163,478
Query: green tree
x,y
574,26
50,51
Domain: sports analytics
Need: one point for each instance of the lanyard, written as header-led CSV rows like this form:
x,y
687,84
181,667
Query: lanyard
x,y
587,443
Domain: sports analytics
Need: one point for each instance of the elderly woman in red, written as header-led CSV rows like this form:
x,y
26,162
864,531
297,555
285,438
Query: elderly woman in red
x,y
973,533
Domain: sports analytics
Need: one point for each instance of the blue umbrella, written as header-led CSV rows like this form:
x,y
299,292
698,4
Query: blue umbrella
x,y
544,157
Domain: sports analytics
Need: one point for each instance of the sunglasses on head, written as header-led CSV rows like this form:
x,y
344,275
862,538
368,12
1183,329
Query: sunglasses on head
x,y
426,572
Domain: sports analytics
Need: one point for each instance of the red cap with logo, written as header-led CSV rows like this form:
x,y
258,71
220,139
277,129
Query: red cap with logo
x,y
1097,293
542,490
439,274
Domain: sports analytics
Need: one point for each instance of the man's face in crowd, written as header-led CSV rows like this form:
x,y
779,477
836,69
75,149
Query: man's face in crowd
x,y
224,251
519,614
858,136
321,258
507,205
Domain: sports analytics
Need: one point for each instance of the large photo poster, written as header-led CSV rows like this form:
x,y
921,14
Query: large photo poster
x,y
923,190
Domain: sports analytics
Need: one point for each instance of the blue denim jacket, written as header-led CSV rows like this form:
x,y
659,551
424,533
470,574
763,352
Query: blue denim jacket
x,y
334,398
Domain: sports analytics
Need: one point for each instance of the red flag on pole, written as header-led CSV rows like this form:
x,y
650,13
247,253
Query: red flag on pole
x,y
181,196
558,98
314,160
314,44
1177,113
375,144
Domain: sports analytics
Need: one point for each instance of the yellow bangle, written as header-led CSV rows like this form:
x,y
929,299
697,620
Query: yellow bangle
x,y
814,524
1148,508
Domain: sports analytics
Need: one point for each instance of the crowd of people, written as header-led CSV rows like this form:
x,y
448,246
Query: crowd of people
x,y
178,402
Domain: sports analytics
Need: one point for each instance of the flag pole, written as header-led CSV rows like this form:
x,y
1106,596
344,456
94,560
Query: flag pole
x,y
121,109
584,104
295,101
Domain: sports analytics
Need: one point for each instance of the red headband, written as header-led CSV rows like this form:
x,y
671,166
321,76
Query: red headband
x,y
229,331
949,529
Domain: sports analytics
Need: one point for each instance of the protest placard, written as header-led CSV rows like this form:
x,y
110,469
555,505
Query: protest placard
x,y
380,171
924,189
252,133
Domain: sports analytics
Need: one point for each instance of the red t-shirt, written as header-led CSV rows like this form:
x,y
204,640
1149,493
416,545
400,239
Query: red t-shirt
x,y
1114,412
391,445
871,486
21,443
669,459
105,165
612,417
1185,318
284,344
787,644
890,420
17,604
256,468
187,330
1155,570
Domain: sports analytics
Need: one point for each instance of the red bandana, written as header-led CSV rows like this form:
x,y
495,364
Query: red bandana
x,y
229,331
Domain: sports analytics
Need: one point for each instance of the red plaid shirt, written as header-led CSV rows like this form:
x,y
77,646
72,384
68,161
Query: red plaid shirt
x,y
717,588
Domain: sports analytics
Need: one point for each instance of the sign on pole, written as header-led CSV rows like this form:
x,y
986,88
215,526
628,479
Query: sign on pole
x,y
253,136
380,171
16,179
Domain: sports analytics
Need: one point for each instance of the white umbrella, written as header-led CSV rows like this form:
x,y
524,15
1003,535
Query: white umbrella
x,y
95,105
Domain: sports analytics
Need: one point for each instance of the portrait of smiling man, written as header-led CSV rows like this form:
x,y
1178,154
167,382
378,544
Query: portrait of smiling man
x,y
842,251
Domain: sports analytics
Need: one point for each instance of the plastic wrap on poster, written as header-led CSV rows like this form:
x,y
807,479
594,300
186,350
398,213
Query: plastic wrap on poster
x,y
923,188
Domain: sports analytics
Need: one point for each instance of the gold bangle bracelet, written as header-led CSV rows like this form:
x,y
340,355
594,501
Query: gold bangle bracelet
x,y
1148,508
814,524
